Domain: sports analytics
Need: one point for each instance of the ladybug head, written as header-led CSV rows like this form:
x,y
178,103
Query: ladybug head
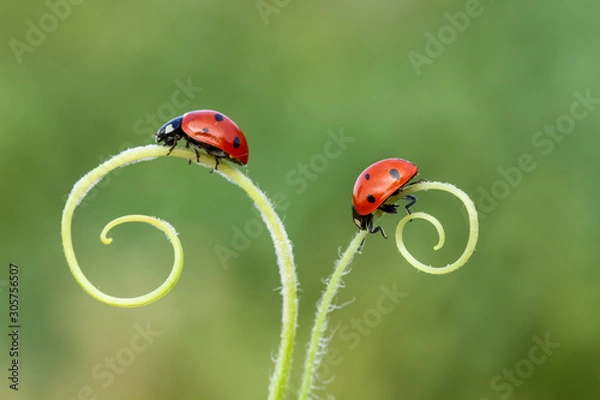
x,y
365,222
170,132
360,221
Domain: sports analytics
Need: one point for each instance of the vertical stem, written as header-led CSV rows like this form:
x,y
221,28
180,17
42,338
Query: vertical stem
x,y
315,351
287,271
283,247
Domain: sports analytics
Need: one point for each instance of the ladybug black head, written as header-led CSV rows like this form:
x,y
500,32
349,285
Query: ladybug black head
x,y
170,132
365,222
360,220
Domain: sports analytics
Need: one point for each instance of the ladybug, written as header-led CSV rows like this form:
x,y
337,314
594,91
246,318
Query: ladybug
x,y
375,185
209,130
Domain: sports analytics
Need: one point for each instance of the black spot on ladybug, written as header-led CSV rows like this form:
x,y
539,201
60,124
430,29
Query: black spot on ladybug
x,y
370,198
367,176
205,130
236,142
395,174
219,117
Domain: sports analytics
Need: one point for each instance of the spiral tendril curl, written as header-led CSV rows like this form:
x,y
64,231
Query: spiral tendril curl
x,y
317,347
283,247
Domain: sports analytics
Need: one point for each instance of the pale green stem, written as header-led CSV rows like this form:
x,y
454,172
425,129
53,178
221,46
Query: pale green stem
x,y
317,344
283,247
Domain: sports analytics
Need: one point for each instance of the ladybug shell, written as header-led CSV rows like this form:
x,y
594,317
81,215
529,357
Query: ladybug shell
x,y
379,181
217,130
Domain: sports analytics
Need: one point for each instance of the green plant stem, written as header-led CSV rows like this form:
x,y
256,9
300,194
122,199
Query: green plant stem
x,y
283,248
317,345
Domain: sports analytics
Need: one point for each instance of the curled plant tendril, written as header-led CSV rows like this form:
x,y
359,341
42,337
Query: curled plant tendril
x,y
283,248
131,302
317,346
473,228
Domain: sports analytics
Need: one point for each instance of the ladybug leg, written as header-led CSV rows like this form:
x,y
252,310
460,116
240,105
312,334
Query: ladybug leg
x,y
197,155
389,208
379,229
411,202
171,149
362,244
187,146
376,229
216,164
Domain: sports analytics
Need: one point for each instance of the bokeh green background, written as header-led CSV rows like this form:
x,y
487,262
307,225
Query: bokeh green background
x,y
314,67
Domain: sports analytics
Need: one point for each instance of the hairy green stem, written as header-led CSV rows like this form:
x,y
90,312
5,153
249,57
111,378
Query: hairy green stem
x,y
317,345
283,247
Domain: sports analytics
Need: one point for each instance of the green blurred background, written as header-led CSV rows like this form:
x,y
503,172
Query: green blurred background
x,y
110,74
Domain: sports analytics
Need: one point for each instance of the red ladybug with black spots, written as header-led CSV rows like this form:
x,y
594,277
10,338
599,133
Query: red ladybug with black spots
x,y
208,130
375,185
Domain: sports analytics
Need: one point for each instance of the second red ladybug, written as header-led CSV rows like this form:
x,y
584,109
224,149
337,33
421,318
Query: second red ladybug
x,y
208,130
375,185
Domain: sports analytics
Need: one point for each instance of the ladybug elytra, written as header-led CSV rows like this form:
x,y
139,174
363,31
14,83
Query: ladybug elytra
x,y
375,185
209,130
